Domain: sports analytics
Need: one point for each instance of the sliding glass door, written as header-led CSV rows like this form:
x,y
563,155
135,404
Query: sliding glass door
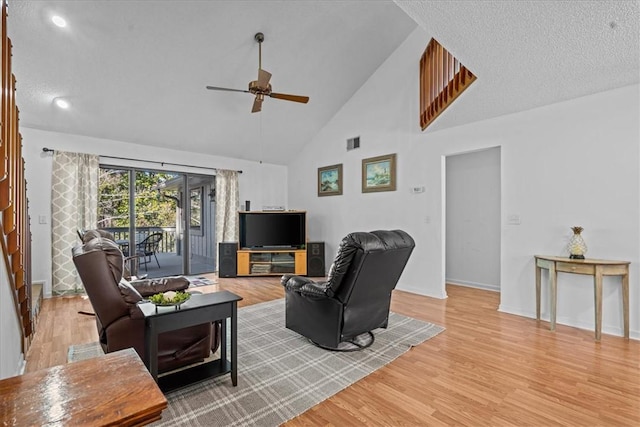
x,y
147,213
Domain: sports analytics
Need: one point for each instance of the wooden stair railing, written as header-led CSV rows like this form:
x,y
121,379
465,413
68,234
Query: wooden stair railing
x,y
15,237
442,79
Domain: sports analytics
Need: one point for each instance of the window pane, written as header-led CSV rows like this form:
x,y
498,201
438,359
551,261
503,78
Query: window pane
x,y
196,207
113,201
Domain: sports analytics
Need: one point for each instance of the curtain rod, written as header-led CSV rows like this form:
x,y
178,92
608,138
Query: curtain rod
x,y
49,150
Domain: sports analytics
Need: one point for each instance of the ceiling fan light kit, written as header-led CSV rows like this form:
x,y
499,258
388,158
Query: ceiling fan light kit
x,y
261,87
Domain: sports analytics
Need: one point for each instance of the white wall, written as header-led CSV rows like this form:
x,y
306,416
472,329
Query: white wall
x,y
263,184
11,357
572,163
473,219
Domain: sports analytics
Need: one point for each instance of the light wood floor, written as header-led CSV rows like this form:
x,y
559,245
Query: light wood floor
x,y
486,369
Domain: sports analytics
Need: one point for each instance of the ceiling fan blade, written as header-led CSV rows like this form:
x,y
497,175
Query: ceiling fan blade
x,y
257,105
227,89
294,98
263,77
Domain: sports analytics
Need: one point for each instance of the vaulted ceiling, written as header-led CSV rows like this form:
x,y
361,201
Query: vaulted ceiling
x,y
136,71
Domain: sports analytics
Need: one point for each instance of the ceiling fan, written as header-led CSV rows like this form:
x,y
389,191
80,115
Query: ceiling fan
x,y
261,87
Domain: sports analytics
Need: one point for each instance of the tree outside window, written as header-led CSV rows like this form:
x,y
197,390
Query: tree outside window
x,y
195,196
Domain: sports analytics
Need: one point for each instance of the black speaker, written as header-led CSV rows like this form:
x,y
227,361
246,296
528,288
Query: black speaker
x,y
315,259
227,259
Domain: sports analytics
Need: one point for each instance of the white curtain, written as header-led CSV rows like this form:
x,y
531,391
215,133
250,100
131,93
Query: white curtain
x,y
227,202
74,206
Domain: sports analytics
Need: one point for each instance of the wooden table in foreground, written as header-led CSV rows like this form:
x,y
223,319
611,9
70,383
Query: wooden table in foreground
x,y
114,389
592,267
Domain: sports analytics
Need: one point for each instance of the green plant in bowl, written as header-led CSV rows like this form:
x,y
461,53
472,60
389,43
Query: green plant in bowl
x,y
169,298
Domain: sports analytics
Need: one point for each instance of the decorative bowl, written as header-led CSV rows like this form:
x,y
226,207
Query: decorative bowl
x,y
178,299
168,304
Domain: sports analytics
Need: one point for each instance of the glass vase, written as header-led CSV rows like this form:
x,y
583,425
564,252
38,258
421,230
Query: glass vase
x,y
577,247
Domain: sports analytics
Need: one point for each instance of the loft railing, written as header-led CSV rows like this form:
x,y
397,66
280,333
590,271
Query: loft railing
x,y
442,79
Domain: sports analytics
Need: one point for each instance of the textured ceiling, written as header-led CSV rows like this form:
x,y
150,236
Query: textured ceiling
x,y
532,53
135,71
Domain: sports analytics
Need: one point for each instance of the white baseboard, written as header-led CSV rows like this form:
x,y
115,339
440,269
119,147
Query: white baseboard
x,y
486,287
566,321
23,365
419,291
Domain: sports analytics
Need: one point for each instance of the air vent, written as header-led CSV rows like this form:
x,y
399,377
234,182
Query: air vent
x,y
353,143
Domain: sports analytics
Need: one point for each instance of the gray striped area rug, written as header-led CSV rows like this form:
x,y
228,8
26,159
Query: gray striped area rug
x,y
281,374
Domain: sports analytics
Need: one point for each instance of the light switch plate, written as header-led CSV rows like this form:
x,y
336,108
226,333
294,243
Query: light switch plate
x,y
513,219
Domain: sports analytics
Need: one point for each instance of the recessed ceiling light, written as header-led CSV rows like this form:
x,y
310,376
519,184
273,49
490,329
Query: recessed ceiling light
x,y
61,103
59,21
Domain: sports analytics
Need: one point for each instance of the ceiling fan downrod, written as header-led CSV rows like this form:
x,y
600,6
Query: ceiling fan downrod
x,y
259,37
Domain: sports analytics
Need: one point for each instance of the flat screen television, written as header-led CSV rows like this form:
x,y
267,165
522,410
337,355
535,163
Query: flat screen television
x,y
272,230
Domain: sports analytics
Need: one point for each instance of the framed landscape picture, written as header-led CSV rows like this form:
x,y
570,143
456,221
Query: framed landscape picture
x,y
330,180
379,173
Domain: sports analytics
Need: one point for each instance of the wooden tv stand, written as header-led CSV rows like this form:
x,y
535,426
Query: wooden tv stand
x,y
272,262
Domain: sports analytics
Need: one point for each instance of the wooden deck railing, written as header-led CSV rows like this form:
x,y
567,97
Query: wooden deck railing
x,y
167,244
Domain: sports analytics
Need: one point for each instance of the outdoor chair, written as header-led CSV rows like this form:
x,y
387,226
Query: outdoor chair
x,y
148,248
341,312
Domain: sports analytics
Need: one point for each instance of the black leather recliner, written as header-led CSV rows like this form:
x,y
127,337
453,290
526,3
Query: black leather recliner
x,y
341,312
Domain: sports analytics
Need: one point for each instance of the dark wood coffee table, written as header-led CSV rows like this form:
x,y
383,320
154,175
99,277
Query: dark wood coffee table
x,y
201,308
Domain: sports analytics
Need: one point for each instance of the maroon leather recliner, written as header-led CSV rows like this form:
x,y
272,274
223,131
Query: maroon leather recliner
x,y
120,322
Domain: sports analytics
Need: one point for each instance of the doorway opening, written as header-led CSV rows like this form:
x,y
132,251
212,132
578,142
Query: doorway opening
x,y
473,219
